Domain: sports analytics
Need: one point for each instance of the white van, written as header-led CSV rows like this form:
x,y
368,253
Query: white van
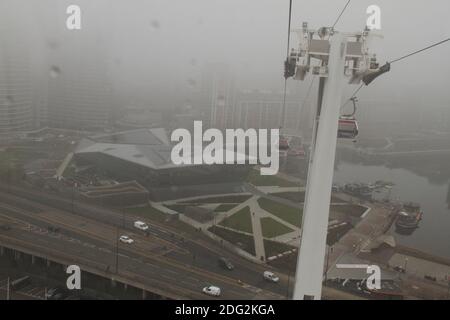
x,y
211,291
141,225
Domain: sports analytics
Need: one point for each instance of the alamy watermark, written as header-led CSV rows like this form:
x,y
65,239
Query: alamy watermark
x,y
373,281
237,147
374,20
74,280
73,21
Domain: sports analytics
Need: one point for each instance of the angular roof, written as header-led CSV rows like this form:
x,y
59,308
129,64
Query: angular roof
x,y
156,136
146,147
343,269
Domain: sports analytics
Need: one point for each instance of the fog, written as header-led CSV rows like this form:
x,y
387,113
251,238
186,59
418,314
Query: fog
x,y
156,51
158,110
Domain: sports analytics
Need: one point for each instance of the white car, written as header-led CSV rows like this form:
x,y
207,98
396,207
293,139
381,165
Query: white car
x,y
126,239
270,276
212,291
141,225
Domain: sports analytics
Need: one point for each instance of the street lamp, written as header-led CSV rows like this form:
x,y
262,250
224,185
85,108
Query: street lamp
x,y
330,250
448,291
73,197
117,250
288,283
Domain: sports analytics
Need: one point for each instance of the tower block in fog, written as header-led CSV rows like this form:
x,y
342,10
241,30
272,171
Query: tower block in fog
x,y
332,56
448,195
16,94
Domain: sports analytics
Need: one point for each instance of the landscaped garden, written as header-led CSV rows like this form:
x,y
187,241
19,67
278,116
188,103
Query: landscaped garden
x,y
282,211
241,221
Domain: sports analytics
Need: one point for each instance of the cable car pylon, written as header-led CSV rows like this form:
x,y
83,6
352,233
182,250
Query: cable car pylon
x,y
332,56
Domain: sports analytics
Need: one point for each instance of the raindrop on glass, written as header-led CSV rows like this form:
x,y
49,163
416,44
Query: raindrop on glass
x,y
9,100
52,44
191,82
55,72
155,24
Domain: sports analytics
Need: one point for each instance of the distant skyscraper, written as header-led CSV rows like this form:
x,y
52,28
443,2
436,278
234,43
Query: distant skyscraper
x,y
16,105
79,88
219,94
263,109
448,196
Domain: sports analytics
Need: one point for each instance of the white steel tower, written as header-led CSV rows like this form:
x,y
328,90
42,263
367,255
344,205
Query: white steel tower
x,y
331,56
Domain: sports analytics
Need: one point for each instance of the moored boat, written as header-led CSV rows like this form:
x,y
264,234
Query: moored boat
x,y
409,216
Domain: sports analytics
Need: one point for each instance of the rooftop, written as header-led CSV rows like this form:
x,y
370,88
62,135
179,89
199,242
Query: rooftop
x,y
146,147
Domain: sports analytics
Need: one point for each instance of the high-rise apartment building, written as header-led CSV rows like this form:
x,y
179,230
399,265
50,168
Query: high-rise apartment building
x,y
16,105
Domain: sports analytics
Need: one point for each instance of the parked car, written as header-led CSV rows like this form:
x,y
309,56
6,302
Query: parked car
x,y
225,263
126,239
212,291
270,276
5,227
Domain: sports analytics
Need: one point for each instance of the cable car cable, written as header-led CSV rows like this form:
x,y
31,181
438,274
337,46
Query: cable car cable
x,y
283,110
421,50
289,29
396,60
353,95
340,15
354,100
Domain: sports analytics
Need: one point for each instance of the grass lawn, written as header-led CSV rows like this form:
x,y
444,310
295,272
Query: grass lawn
x,y
240,221
245,242
6,157
10,167
257,179
288,214
298,196
220,208
292,196
224,207
148,212
272,228
176,207
7,161
12,160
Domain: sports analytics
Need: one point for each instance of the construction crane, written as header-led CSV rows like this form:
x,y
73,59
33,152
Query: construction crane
x,y
332,56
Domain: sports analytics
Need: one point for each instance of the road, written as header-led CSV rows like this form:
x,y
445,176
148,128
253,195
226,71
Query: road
x,y
162,259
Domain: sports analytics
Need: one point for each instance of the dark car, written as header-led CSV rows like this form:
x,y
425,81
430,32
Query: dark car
x,y
226,264
20,283
399,269
57,293
5,227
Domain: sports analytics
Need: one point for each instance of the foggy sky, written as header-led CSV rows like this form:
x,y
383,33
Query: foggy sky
x,y
163,44
251,36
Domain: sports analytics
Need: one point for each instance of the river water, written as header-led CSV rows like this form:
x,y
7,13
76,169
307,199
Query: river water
x,y
433,234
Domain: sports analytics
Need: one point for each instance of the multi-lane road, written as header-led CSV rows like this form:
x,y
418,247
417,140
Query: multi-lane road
x,y
174,265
